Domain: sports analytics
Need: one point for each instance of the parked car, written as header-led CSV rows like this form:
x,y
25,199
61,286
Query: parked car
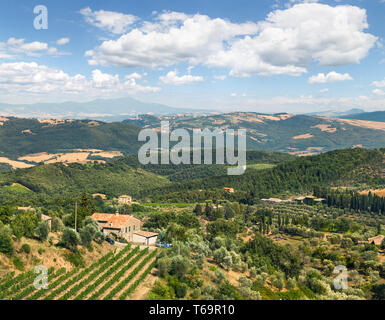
x,y
110,241
163,245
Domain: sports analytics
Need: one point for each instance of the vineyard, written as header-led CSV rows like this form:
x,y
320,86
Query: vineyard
x,y
112,277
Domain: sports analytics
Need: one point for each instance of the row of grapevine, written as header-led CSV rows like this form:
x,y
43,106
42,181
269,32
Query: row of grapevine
x,y
77,277
7,277
103,277
109,264
20,285
118,275
123,283
53,285
13,280
27,291
132,288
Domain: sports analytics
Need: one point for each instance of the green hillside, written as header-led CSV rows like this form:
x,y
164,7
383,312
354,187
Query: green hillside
x,y
25,136
351,167
68,180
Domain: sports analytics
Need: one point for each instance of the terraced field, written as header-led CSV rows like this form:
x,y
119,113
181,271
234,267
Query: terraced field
x,y
112,277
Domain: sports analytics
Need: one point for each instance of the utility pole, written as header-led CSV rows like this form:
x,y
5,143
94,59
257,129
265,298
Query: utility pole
x,y
76,215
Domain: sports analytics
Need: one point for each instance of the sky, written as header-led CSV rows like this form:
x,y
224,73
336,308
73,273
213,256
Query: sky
x,y
263,56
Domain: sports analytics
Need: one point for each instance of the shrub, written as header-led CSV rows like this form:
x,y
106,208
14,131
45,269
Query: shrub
x,y
26,248
75,258
57,224
6,243
19,265
42,230
70,239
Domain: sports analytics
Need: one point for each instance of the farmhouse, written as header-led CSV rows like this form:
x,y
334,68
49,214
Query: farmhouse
x,y
145,237
122,225
124,199
229,190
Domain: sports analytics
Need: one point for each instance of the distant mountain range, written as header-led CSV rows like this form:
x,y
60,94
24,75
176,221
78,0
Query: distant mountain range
x,y
368,116
357,114
336,114
106,110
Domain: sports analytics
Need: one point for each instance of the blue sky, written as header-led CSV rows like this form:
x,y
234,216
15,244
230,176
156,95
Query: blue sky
x,y
263,56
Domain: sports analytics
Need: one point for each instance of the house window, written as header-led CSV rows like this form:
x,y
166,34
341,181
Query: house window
x,y
134,227
126,229
129,229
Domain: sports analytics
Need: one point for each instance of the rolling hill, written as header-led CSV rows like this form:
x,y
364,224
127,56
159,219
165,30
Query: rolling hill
x,y
378,116
26,142
354,168
66,180
295,134
20,137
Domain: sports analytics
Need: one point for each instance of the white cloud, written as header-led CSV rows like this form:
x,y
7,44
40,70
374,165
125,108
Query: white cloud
x,y
170,39
63,41
114,22
173,78
324,90
14,47
286,42
330,77
378,92
31,78
379,84
134,75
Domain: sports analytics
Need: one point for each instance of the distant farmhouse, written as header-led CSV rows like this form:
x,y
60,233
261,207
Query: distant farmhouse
x,y
124,199
125,226
229,190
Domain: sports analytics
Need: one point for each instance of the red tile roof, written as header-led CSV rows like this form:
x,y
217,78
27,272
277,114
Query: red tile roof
x,y
115,221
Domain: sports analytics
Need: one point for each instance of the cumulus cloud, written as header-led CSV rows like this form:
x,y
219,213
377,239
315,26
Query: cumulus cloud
x,y
378,92
173,78
134,75
170,39
379,84
14,47
32,78
114,22
63,41
286,42
330,77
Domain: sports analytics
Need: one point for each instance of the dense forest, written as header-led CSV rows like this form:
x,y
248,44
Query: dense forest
x,y
351,167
